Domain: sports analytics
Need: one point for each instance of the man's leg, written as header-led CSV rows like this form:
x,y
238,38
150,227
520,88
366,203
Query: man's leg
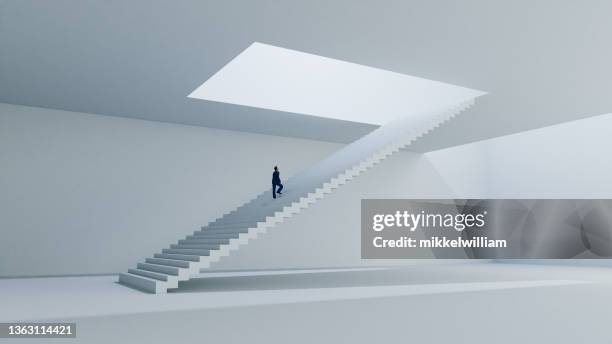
x,y
280,188
273,190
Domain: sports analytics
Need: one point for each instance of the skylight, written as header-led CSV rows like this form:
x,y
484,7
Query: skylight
x,y
269,77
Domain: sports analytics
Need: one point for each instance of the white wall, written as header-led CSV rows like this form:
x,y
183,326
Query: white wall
x,y
84,194
564,161
568,160
93,194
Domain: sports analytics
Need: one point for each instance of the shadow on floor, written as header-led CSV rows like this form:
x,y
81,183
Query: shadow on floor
x,y
335,279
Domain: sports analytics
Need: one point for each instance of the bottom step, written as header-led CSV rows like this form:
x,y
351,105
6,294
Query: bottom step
x,y
142,283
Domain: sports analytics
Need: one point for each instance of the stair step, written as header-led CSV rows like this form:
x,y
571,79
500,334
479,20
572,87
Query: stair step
x,y
205,241
185,257
238,224
155,275
141,283
233,226
242,218
198,235
223,231
168,262
199,246
164,269
193,251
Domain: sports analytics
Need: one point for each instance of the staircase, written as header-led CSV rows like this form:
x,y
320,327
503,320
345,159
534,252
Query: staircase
x,y
188,256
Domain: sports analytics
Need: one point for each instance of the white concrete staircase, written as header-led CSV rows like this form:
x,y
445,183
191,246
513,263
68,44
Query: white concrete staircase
x,y
189,256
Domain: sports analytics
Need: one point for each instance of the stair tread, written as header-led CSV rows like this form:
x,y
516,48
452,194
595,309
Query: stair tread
x,y
139,282
170,262
197,246
176,256
219,235
193,251
139,276
205,241
165,269
225,230
154,275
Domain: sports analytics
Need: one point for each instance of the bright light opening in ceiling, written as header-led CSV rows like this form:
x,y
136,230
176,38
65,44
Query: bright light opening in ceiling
x,y
274,78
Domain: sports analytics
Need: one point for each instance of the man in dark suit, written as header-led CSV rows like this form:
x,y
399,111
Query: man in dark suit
x,y
276,181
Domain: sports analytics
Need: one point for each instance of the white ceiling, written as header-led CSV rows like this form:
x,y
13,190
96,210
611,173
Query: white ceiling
x,y
542,62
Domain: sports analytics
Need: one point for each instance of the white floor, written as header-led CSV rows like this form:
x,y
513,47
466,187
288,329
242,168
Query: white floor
x,y
475,303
